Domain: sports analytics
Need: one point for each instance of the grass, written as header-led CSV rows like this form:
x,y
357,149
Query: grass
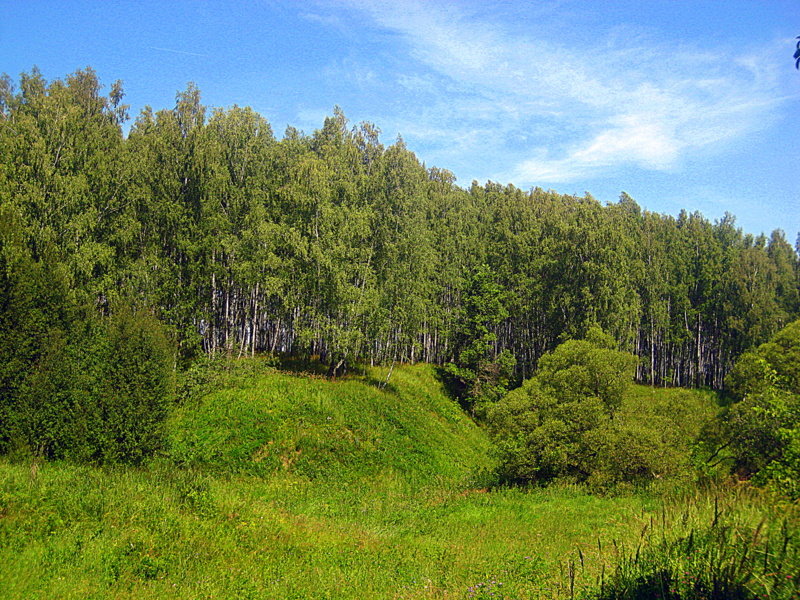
x,y
79,532
277,485
731,543
344,429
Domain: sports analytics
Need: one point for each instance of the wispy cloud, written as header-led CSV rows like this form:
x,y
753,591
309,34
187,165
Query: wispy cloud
x,y
328,20
184,52
572,112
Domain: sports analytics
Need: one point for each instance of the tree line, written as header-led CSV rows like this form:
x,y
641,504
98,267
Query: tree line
x,y
332,244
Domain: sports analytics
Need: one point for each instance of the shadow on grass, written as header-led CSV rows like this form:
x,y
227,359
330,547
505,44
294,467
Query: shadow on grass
x,y
666,585
453,387
315,366
302,365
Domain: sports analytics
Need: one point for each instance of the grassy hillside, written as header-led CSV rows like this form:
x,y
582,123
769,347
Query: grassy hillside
x,y
287,486
343,429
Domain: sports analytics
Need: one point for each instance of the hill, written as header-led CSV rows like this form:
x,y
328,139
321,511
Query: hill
x,y
281,485
342,429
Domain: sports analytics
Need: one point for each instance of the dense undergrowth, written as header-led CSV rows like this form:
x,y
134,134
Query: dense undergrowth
x,y
719,543
278,485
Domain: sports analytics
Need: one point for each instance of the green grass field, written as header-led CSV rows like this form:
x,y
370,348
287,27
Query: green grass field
x,y
289,486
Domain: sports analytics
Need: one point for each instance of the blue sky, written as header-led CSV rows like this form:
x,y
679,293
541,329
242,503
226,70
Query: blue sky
x,y
681,103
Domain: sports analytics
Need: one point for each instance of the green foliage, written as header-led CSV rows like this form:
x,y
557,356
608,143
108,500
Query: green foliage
x,y
576,419
157,532
783,473
652,436
334,245
134,386
752,375
35,316
589,368
782,353
708,547
761,430
74,384
101,396
541,437
480,373
773,365
753,430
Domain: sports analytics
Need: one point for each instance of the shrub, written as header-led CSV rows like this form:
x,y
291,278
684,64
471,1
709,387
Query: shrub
x,y
135,386
589,368
75,384
35,316
578,419
773,365
761,430
539,437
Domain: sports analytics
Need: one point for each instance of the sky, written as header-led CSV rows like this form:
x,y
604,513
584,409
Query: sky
x,y
683,104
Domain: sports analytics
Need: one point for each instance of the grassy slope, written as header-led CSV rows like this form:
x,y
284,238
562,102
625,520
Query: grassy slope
x,y
332,429
294,487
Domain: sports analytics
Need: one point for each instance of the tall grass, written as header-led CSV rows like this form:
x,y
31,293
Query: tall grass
x,y
80,532
272,422
727,542
365,491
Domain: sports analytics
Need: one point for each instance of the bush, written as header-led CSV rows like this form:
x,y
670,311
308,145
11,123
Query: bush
x,y
34,318
761,430
589,368
782,353
75,384
580,420
751,375
560,423
539,437
752,429
774,365
135,387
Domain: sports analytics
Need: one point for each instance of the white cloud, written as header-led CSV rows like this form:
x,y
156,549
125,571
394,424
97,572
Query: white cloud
x,y
624,101
634,138
328,20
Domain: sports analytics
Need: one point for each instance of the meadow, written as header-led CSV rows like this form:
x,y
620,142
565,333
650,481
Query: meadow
x,y
276,484
133,464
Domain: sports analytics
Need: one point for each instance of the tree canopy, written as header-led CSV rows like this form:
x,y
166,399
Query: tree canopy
x,y
334,245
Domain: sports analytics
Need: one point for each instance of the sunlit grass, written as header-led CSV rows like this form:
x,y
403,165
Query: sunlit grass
x,y
77,532
730,542
283,486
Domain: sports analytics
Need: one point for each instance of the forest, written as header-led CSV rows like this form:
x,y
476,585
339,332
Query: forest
x,y
330,244
264,337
